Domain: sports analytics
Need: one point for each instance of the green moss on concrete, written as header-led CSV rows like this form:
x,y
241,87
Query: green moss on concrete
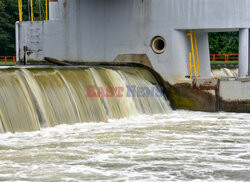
x,y
183,96
181,101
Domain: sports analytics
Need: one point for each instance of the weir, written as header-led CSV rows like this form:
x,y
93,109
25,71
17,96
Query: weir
x,y
33,98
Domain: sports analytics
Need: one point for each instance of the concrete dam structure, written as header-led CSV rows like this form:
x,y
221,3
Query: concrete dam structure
x,y
155,33
114,90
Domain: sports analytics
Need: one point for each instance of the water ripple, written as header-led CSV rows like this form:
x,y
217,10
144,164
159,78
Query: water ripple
x,y
181,146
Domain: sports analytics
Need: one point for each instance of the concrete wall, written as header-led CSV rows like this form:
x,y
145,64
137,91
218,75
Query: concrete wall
x,y
235,90
203,14
99,30
35,40
30,36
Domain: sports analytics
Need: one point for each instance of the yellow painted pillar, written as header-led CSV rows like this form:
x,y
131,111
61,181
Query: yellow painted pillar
x,y
46,5
31,9
192,47
20,7
190,64
197,55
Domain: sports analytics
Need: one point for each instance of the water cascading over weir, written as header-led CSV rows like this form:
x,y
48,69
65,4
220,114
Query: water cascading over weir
x,y
33,98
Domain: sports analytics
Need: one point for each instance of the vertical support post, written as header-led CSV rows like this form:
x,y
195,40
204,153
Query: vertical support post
x,y
192,47
244,59
194,52
197,55
190,65
20,7
213,57
31,10
226,57
46,6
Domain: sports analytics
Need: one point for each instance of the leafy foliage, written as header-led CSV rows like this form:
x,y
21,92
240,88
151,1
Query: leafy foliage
x,y
224,42
7,26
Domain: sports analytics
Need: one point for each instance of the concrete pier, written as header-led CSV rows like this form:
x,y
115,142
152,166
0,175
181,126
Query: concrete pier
x,y
244,53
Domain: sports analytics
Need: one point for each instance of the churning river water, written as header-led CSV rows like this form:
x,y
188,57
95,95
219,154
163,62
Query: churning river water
x,y
179,146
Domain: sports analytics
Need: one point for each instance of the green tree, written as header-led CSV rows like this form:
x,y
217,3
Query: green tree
x,y
7,26
224,42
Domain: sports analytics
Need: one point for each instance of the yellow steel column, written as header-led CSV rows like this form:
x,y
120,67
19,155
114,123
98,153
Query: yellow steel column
x,y
190,65
46,5
192,48
20,7
31,9
197,55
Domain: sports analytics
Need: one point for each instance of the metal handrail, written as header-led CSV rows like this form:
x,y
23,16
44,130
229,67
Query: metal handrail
x,y
8,59
224,57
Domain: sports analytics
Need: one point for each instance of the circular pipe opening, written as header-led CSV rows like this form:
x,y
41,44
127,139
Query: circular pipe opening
x,y
158,44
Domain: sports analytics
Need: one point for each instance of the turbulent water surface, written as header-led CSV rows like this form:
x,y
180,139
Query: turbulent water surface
x,y
180,146
34,98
